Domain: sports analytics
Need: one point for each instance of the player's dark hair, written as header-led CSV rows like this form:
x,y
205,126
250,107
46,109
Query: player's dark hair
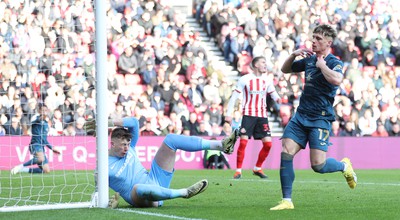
x,y
121,133
255,60
326,31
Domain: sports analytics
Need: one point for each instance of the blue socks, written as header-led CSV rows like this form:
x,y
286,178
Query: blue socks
x,y
31,162
158,193
331,165
286,175
287,172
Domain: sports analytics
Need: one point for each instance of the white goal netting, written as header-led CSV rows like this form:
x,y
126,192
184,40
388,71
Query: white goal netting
x,y
47,57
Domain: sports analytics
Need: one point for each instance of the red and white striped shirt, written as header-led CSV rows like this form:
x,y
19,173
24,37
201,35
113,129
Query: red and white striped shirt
x,y
255,90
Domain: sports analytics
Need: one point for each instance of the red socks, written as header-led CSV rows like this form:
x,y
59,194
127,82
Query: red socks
x,y
241,152
263,153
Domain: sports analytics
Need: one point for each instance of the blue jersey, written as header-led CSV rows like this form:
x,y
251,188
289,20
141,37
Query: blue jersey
x,y
40,128
125,172
318,95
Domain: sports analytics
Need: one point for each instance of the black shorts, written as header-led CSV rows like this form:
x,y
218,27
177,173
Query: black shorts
x,y
255,127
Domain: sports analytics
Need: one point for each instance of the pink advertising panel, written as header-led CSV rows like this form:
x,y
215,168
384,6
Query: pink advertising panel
x,y
80,153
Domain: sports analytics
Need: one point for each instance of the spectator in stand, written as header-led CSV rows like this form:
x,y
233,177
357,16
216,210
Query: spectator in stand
x,y
57,121
127,62
195,92
350,52
380,54
202,129
157,103
380,131
366,123
79,127
192,124
348,130
46,62
199,110
149,75
196,70
147,130
211,89
14,127
390,122
69,130
167,94
395,131
145,22
176,123
335,131
368,58
187,59
174,64
118,111
377,80
215,112
185,99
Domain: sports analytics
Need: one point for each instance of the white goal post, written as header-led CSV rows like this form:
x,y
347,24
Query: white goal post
x,y
76,186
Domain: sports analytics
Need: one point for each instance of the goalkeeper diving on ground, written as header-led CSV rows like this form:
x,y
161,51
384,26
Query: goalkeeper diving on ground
x,y
140,187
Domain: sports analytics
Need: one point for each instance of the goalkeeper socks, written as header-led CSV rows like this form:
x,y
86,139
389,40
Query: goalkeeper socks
x,y
286,175
186,143
211,144
157,193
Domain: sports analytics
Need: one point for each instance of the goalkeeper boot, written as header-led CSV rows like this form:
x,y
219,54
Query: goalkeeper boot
x,y
196,188
16,169
260,174
114,201
228,143
349,173
237,175
284,204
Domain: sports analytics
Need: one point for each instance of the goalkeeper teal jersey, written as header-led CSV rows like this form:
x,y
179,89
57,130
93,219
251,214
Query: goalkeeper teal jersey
x,y
125,172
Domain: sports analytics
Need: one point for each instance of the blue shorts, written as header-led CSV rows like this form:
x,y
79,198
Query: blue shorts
x,y
156,176
37,148
302,130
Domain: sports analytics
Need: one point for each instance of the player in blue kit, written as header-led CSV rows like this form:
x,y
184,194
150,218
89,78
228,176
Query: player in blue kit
x,y
312,122
40,128
142,188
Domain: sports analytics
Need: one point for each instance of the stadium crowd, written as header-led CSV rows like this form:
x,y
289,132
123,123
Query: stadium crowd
x,y
158,71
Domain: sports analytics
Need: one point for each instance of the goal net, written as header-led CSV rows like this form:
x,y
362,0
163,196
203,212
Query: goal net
x,y
49,50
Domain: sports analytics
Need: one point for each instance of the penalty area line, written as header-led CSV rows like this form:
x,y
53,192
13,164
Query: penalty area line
x,y
157,214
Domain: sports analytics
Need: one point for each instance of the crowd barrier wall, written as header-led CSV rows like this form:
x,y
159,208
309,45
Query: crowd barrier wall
x,y
79,153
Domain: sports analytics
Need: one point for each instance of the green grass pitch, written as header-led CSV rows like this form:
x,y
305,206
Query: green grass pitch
x,y
315,196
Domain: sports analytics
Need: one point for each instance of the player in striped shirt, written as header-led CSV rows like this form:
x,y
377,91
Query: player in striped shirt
x,y
254,88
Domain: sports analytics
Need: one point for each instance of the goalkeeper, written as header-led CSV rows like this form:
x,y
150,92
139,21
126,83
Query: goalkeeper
x,y
142,188
40,128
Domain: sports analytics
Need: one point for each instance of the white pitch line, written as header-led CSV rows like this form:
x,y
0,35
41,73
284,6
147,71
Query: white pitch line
x,y
157,214
319,182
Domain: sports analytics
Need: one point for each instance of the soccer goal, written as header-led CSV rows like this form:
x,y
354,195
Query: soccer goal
x,y
73,180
